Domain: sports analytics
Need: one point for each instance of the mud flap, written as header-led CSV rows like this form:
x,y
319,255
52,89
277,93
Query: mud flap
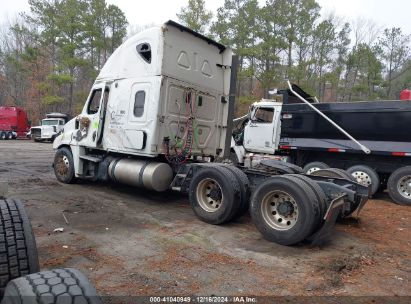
x,y
363,201
324,233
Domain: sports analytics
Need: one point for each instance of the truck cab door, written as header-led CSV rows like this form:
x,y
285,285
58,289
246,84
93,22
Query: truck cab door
x,y
91,120
138,127
259,131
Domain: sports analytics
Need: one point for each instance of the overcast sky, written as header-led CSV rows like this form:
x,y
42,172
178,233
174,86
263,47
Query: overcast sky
x,y
387,13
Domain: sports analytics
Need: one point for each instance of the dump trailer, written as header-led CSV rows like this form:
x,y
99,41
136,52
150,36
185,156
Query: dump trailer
x,y
370,139
160,113
13,123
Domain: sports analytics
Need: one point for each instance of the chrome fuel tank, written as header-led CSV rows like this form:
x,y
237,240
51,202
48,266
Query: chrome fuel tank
x,y
145,174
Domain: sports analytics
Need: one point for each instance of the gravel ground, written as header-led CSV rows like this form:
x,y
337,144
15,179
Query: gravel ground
x,y
135,242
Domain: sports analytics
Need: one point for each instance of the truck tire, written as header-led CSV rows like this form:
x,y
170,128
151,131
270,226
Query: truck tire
x,y
64,166
245,190
66,285
314,166
318,191
399,186
280,166
311,196
215,195
343,173
333,173
2,135
283,210
18,250
366,176
9,135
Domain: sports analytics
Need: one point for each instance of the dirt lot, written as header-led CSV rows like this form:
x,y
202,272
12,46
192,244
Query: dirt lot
x,y
131,241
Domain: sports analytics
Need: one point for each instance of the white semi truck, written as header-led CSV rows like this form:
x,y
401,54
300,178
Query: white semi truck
x,y
50,127
159,114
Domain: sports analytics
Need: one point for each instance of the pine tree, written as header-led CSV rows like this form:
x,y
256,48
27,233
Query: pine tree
x,y
195,16
395,52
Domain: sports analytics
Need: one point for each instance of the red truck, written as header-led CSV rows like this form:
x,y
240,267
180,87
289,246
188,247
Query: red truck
x,y
13,123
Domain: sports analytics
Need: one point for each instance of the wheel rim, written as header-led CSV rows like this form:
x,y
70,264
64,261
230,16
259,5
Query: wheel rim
x,y
404,186
279,210
209,195
62,166
312,170
362,177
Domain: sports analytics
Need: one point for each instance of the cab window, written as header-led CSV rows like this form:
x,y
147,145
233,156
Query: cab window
x,y
144,49
139,101
263,115
94,103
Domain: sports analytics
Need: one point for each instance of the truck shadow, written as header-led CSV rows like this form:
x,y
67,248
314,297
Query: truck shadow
x,y
383,195
168,196
240,234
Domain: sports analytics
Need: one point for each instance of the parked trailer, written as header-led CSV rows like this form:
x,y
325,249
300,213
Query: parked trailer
x,y
13,123
157,116
367,139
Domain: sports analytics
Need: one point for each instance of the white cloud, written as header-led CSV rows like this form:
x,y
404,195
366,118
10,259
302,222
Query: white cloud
x,y
138,12
385,13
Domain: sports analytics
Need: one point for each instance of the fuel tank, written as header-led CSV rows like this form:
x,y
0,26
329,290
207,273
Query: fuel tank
x,y
144,174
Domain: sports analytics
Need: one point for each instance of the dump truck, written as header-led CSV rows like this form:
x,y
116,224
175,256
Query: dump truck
x,y
50,127
13,123
369,139
158,116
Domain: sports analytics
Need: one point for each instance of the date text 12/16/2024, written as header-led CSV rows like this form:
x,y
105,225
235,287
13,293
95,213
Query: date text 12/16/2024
x,y
204,299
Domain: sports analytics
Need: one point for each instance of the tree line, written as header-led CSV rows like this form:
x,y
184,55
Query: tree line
x,y
50,56
289,39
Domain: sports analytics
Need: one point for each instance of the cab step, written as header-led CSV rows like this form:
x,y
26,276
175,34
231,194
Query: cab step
x,y
91,158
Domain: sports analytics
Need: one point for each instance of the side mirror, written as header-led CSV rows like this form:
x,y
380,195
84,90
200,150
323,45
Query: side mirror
x,y
250,110
253,114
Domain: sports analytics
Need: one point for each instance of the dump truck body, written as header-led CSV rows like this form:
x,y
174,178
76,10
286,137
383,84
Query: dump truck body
x,y
380,125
